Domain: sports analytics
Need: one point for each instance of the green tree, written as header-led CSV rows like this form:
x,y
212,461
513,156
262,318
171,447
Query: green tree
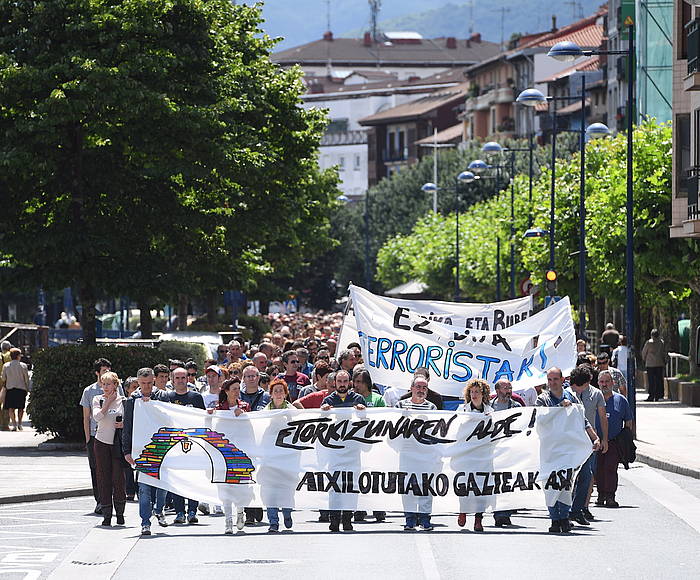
x,y
151,148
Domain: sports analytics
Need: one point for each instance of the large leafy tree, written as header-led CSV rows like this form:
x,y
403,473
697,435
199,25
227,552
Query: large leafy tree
x,y
151,148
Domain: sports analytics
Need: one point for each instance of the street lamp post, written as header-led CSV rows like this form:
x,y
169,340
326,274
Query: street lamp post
x,y
463,177
569,51
531,97
493,147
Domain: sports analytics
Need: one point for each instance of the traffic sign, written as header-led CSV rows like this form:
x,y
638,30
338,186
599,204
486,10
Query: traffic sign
x,y
549,300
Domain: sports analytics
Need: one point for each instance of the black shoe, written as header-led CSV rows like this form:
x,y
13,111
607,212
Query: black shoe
x,y
600,500
588,515
565,526
107,522
649,400
347,527
499,522
580,519
611,503
380,516
249,521
555,528
334,527
324,518
98,509
120,520
360,516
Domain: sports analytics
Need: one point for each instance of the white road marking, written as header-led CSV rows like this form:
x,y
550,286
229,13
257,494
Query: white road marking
x,y
674,498
427,558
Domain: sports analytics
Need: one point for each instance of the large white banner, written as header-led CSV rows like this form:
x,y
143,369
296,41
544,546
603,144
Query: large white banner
x,y
494,316
395,342
377,459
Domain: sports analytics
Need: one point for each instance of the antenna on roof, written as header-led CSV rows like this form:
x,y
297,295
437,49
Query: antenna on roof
x,y
576,8
471,16
503,10
374,8
328,15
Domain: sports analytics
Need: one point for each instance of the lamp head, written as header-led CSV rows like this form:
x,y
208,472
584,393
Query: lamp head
x,y
478,166
535,233
492,147
429,188
565,51
343,198
597,130
531,97
466,177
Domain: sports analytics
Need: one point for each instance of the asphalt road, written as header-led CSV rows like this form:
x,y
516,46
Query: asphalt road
x,y
654,534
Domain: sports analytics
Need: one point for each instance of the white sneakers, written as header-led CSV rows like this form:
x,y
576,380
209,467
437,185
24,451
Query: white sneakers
x,y
240,519
229,526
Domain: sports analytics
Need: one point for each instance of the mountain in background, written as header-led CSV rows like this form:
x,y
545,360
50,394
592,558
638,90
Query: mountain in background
x,y
302,21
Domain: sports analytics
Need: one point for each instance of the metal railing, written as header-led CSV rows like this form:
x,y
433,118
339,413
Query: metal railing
x,y
692,29
677,362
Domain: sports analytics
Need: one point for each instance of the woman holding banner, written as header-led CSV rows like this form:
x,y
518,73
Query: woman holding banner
x,y
476,393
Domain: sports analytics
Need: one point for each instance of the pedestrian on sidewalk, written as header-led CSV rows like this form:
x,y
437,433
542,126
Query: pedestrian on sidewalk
x,y
4,358
108,412
99,367
15,377
654,356
619,415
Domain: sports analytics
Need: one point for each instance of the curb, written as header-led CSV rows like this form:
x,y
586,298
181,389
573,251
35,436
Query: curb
x,y
51,446
667,466
45,496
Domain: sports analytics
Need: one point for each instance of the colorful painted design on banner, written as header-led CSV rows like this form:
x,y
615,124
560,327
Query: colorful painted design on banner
x,y
229,464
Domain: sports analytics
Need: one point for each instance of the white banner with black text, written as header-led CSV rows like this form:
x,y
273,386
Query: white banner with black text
x,y
377,459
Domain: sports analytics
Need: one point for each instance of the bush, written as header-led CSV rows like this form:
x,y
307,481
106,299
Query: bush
x,y
61,374
256,325
184,351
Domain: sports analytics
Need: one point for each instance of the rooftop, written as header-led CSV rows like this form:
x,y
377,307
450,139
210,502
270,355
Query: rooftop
x,y
420,106
447,52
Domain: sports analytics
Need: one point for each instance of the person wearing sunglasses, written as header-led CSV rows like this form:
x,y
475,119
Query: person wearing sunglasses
x,y
291,375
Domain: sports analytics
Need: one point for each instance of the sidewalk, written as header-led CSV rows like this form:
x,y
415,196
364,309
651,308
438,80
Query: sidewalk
x,y
33,474
668,438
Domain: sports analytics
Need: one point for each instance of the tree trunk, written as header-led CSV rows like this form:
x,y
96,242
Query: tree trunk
x,y
182,300
210,298
145,318
264,307
89,320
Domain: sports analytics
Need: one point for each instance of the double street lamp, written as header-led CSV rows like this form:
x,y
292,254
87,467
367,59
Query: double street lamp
x,y
532,97
570,51
465,177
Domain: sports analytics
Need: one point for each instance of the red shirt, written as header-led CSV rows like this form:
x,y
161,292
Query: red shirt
x,y
242,405
314,400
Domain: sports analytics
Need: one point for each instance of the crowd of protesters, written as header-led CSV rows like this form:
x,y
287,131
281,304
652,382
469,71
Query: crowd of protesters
x,y
299,365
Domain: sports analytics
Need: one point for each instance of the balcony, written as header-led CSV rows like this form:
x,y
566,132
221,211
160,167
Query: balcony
x,y
489,96
692,31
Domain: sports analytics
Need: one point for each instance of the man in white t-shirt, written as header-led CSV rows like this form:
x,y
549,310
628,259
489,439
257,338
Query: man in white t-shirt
x,y
210,393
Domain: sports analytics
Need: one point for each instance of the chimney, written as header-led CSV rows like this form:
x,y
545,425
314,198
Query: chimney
x,y
367,40
476,37
451,42
328,35
554,22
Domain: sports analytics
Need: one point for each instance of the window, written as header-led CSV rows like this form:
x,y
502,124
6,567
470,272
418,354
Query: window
x,y
358,162
401,149
686,16
341,163
682,135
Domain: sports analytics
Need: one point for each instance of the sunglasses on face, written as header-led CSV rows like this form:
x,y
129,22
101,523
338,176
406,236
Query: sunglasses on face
x,y
191,374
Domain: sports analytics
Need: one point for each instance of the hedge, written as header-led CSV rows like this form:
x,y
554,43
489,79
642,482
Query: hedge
x,y
61,374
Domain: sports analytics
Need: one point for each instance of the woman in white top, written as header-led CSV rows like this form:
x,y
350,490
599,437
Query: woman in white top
x,y
108,412
476,394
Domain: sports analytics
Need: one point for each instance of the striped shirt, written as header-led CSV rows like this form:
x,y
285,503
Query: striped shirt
x,y
411,406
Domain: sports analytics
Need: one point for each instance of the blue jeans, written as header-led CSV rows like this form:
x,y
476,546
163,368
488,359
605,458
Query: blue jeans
x,y
148,495
413,518
179,505
274,518
583,483
559,511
